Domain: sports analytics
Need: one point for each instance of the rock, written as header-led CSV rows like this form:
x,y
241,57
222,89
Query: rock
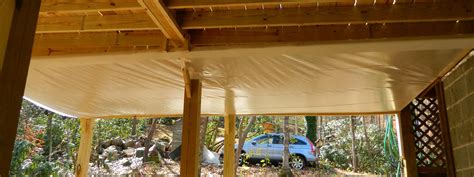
x,y
138,144
127,163
111,153
129,152
118,142
130,143
161,146
140,151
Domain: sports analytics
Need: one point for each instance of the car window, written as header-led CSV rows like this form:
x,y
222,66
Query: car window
x,y
293,140
264,140
277,139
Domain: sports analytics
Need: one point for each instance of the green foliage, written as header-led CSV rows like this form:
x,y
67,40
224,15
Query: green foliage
x,y
311,125
337,150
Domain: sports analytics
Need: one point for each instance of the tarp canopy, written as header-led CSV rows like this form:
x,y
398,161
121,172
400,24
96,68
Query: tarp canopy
x,y
309,79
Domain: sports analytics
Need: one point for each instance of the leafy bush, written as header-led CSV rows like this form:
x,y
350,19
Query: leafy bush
x,y
337,148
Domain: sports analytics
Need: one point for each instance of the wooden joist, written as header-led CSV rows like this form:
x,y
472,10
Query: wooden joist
x,y
97,42
329,15
187,4
165,21
85,147
326,33
53,6
95,23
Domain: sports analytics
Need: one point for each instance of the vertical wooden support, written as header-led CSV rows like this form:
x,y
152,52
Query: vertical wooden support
x,y
17,31
229,135
408,143
190,161
85,148
443,115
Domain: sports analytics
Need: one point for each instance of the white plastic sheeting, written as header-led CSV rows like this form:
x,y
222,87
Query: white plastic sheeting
x,y
275,80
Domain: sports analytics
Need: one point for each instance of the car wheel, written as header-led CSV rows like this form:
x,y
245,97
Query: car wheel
x,y
297,162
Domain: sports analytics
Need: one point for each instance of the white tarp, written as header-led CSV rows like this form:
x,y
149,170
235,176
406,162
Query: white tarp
x,y
376,77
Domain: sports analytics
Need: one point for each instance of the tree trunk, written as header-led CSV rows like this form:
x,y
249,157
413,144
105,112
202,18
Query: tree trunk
x,y
134,126
242,137
311,128
354,155
286,171
366,137
151,132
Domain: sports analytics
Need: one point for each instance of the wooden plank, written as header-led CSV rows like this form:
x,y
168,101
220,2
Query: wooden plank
x,y
48,6
229,134
95,23
97,42
19,18
408,143
325,33
165,21
190,161
85,147
329,16
189,4
443,115
187,79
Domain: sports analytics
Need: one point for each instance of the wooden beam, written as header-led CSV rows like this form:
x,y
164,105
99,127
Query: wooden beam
x,y
187,79
229,134
165,21
85,147
443,115
190,161
187,4
90,23
326,33
19,18
53,6
98,42
329,16
408,143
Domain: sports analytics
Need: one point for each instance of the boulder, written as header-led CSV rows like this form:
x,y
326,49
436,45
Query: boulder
x,y
111,153
129,152
140,151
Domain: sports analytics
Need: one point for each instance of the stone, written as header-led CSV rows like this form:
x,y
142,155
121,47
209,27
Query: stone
x,y
127,163
130,143
140,151
129,152
111,153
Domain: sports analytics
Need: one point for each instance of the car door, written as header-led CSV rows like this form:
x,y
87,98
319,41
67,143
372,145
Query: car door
x,y
277,147
260,147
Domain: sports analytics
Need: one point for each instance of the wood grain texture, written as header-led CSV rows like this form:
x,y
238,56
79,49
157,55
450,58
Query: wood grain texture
x,y
326,33
97,42
408,143
165,21
329,15
189,4
85,147
450,169
95,23
87,5
190,161
14,70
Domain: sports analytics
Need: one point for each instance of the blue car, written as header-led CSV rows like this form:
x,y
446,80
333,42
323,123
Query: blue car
x,y
270,146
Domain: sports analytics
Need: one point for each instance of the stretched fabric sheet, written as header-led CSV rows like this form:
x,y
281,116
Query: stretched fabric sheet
x,y
274,80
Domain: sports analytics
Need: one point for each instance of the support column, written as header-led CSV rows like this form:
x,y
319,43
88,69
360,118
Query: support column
x,y
17,30
85,147
190,161
443,115
229,135
408,143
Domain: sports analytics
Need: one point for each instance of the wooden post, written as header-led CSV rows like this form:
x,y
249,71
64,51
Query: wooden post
x,y
84,153
190,161
229,135
17,31
443,115
408,143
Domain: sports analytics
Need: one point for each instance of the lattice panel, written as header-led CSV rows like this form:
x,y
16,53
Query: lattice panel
x,y
427,130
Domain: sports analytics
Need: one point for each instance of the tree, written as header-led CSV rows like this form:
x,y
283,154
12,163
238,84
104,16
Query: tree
x,y
151,132
286,171
311,128
242,136
354,155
